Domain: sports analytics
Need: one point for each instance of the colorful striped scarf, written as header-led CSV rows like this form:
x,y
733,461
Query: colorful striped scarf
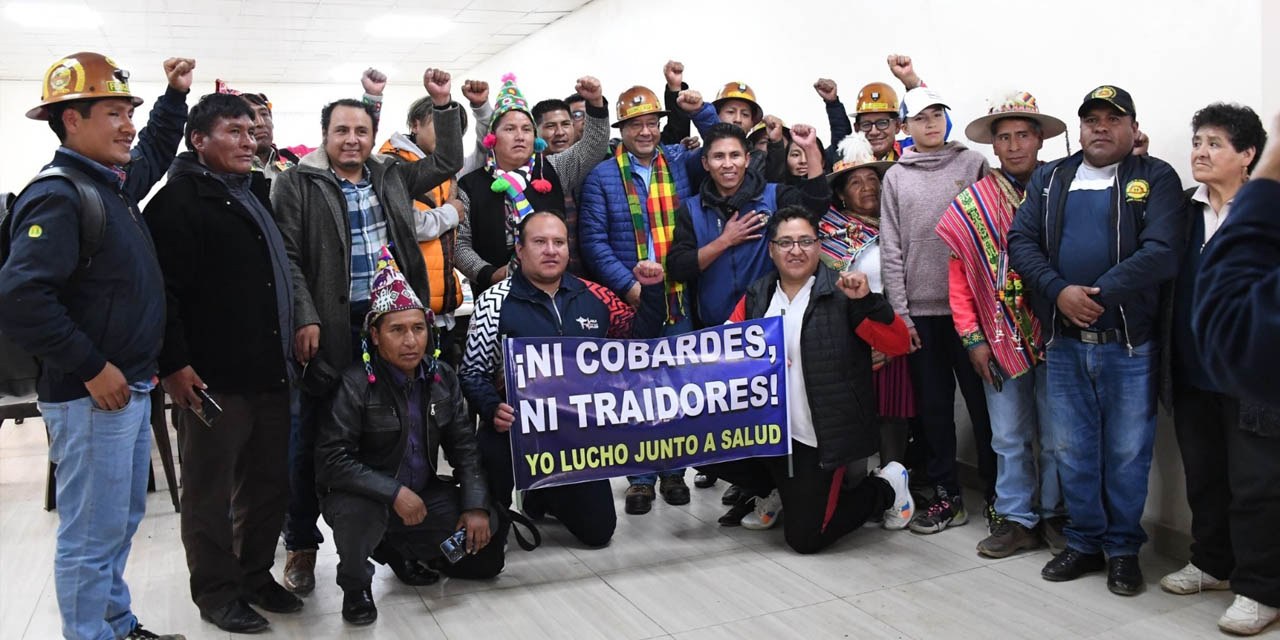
x,y
661,220
512,184
843,238
976,228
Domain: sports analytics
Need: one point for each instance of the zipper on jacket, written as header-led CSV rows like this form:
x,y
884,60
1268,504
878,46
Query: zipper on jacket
x,y
1053,329
1124,322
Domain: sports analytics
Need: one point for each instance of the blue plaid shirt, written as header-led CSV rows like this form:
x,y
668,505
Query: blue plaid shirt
x,y
368,234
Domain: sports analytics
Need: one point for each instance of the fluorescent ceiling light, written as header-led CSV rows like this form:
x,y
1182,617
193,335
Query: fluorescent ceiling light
x,y
397,26
353,72
53,17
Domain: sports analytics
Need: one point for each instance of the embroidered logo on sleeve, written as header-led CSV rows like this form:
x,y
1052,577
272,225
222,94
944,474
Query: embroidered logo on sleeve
x,y
1137,191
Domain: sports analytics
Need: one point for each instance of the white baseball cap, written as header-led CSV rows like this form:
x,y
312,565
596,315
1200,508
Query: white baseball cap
x,y
919,99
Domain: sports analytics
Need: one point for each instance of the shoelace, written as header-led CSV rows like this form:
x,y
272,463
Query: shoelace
x,y
1001,525
938,506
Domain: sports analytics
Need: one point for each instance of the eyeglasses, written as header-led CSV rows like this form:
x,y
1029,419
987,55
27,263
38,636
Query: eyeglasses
x,y
577,115
881,124
786,244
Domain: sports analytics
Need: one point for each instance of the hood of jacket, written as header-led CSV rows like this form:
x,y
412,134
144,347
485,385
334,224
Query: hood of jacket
x,y
403,146
933,160
752,185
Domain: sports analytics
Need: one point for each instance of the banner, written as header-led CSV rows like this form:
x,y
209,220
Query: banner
x,y
590,409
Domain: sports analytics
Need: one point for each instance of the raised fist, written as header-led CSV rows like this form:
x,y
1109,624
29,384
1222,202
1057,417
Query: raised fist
x,y
476,92
178,72
901,67
648,272
854,284
373,81
826,88
803,135
674,73
589,87
773,127
438,85
690,101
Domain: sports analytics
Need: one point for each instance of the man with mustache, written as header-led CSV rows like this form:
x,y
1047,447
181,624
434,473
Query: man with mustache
x,y
84,294
1096,237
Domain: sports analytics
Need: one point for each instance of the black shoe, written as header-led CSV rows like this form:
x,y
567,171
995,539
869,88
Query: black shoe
x,y
704,480
357,606
274,598
1071,564
1124,575
733,517
236,617
410,572
674,490
732,495
639,499
139,633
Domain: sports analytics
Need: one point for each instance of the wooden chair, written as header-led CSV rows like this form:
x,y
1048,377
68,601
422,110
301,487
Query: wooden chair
x,y
20,408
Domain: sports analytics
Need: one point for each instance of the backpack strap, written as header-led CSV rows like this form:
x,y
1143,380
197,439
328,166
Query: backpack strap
x,y
93,212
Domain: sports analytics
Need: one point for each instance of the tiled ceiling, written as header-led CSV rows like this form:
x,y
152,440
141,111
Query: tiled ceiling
x,y
247,41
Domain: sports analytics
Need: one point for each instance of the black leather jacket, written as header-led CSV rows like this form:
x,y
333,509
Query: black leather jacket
x,y
361,440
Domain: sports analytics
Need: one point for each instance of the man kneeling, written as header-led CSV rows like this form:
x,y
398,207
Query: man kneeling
x,y
831,322
376,455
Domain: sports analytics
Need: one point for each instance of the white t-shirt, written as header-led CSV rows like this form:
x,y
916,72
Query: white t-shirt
x,y
792,312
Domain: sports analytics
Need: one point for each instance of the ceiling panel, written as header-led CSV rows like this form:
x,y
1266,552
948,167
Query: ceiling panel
x,y
246,41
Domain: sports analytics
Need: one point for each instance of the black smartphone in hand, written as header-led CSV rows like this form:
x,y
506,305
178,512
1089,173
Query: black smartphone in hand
x,y
997,376
209,411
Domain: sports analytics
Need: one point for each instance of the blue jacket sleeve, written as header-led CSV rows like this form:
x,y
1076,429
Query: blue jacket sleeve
x,y
157,144
705,118
1236,313
1156,259
593,232
838,121
44,252
1027,253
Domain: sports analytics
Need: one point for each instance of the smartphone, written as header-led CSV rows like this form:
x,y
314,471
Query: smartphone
x,y
209,411
997,376
454,547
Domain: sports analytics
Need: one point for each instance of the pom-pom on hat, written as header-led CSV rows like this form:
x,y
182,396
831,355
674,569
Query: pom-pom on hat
x,y
509,99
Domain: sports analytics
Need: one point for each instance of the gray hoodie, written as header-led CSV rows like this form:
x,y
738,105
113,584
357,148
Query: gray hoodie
x,y
916,192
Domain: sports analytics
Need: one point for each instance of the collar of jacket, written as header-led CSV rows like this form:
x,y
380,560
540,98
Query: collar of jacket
x,y
751,188
316,164
65,157
522,288
208,185
824,284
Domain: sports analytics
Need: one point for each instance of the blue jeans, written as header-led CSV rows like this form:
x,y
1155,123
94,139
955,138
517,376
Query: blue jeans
x,y
650,479
1104,403
1019,416
300,529
103,458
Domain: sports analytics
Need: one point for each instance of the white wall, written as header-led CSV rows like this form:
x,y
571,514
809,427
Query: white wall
x,y
1173,56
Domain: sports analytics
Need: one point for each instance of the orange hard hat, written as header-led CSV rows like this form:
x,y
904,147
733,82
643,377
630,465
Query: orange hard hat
x,y
739,91
877,97
638,101
82,76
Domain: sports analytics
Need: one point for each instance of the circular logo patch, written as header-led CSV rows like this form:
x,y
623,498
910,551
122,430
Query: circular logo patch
x,y
60,79
1137,190
1104,93
35,231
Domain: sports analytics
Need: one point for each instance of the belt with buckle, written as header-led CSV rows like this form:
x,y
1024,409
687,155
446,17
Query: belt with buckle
x,y
1089,336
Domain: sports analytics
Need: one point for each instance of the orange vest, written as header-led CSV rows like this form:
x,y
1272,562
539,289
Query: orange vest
x,y
433,251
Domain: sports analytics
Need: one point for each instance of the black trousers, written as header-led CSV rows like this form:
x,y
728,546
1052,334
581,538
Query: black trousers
x,y
235,489
585,509
805,495
935,369
1233,488
360,524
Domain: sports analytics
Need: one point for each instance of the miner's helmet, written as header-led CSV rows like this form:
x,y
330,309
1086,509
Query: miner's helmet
x,y
82,76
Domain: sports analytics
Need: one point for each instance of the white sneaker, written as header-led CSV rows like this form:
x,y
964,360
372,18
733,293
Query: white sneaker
x,y
899,515
1247,616
1190,579
765,514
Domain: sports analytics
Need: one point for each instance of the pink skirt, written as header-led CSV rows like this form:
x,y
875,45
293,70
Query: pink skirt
x,y
895,397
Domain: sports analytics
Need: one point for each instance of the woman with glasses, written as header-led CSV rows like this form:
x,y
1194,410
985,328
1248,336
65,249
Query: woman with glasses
x,y
849,234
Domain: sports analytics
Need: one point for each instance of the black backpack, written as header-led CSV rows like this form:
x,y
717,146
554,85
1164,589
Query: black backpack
x,y
18,370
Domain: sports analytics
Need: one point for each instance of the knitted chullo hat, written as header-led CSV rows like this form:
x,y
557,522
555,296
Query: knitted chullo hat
x,y
510,99
390,293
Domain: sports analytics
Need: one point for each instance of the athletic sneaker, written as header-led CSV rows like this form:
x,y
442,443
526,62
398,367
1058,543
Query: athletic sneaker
x,y
943,511
1247,617
733,517
1190,579
904,506
765,514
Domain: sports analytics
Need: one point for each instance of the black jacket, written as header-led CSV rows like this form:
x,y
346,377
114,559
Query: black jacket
x,y
489,215
113,310
837,364
361,439
1146,236
223,319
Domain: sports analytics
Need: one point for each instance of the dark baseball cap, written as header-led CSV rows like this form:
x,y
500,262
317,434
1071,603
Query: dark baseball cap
x,y
1112,95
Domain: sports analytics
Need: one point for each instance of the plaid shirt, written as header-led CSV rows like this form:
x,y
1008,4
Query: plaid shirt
x,y
368,234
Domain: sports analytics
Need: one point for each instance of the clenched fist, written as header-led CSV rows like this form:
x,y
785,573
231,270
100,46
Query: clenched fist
x,y
826,88
589,87
178,72
854,284
476,92
690,101
438,85
648,272
674,73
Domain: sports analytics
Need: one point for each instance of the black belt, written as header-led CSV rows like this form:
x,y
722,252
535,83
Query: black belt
x,y
1089,336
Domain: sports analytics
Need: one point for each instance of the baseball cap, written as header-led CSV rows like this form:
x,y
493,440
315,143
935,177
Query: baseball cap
x,y
1112,95
919,99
